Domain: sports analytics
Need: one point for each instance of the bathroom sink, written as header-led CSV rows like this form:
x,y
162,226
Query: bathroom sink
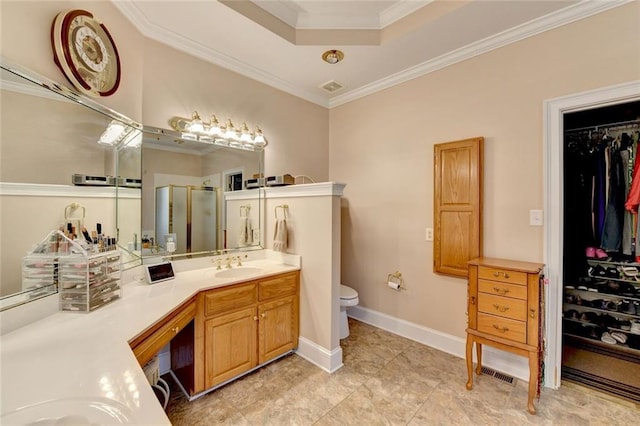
x,y
239,272
71,411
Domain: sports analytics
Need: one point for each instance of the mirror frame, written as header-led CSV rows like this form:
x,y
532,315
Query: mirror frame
x,y
56,90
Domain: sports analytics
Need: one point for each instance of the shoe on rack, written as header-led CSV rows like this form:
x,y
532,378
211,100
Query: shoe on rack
x,y
612,306
601,254
590,252
606,337
635,327
619,337
627,307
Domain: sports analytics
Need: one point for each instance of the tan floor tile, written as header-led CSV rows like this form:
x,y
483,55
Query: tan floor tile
x,y
389,380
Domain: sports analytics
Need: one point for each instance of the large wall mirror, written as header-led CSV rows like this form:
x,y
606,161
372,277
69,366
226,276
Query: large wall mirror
x,y
48,134
194,195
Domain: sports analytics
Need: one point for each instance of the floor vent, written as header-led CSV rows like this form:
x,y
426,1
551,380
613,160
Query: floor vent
x,y
499,376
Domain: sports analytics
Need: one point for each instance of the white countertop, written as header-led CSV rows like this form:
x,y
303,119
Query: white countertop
x,y
69,356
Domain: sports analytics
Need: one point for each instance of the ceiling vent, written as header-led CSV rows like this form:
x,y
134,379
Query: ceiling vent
x,y
331,86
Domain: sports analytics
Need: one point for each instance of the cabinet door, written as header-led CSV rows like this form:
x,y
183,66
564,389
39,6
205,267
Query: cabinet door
x,y
230,346
457,205
278,329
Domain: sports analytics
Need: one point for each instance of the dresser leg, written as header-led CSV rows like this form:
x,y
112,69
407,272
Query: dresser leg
x,y
469,354
479,356
533,380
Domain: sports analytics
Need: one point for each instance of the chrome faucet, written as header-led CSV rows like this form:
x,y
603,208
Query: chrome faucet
x,y
218,263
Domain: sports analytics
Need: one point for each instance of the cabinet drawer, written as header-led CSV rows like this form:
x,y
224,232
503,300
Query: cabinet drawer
x,y
502,327
502,289
502,275
148,345
502,306
229,298
280,286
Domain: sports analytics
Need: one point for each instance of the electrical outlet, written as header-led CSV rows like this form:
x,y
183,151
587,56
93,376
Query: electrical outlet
x,y
428,234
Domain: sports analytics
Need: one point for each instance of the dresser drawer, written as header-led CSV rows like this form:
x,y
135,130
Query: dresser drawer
x,y
503,327
502,275
503,289
502,306
279,286
229,299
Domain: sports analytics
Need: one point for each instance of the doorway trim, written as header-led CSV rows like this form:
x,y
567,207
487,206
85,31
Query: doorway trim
x,y
553,112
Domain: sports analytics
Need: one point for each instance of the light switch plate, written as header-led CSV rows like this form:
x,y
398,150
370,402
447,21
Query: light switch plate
x,y
535,218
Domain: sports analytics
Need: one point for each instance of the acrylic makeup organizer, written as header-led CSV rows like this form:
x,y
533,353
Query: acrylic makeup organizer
x,y
85,281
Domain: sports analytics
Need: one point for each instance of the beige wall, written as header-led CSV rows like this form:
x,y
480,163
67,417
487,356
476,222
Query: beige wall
x,y
25,39
382,147
176,84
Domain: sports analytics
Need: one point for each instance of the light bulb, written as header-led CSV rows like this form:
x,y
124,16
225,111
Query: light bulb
x,y
231,133
196,125
214,126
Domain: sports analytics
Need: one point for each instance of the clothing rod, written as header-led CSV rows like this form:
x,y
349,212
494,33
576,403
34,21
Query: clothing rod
x,y
607,126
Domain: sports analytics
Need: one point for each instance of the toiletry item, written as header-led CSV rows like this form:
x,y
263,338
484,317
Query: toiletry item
x,y
99,228
393,285
86,235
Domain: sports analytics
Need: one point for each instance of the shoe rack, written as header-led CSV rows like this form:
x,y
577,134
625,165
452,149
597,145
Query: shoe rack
x,y
601,319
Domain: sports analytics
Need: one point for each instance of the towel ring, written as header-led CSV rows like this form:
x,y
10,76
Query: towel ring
x,y
72,207
245,210
285,211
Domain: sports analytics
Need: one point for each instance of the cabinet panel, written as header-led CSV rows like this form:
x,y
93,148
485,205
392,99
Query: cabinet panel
x,y
280,286
223,300
503,306
503,289
148,344
230,346
502,327
278,329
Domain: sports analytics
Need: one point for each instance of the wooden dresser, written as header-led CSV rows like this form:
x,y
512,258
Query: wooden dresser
x,y
505,311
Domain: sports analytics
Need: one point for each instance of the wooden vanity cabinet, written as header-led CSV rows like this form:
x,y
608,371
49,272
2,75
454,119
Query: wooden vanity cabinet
x,y
245,325
505,311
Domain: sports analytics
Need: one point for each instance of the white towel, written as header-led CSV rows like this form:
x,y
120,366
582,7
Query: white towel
x,y
280,237
245,238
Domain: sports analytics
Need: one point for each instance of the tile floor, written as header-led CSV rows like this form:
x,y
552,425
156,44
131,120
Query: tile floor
x,y
389,380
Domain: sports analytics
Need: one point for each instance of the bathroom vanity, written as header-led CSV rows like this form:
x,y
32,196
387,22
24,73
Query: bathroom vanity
x,y
77,362
223,333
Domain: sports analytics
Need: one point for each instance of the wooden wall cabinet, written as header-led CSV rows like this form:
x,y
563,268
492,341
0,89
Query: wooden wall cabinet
x,y
457,205
505,311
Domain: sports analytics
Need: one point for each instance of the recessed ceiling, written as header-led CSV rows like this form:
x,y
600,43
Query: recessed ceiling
x,y
281,43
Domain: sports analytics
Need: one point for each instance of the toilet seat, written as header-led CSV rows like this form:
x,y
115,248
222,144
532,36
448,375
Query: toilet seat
x,y
347,293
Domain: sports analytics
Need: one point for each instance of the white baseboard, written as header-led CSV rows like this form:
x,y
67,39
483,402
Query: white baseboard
x,y
499,360
329,361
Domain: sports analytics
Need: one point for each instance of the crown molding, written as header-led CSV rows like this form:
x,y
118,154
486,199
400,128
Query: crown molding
x,y
551,21
167,37
400,10
554,20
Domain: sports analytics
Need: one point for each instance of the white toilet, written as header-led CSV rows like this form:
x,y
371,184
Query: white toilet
x,y
348,297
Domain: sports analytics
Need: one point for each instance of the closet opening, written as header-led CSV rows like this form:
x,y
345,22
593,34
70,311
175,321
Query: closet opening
x,y
601,249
